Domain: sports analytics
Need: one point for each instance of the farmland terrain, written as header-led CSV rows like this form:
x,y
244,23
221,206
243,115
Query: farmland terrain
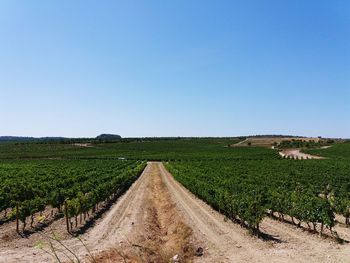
x,y
270,141
158,219
196,200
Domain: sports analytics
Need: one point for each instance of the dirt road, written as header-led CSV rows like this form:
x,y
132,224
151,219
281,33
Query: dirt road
x,y
297,154
158,219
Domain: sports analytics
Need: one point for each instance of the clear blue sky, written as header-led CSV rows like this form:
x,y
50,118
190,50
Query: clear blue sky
x,y
175,68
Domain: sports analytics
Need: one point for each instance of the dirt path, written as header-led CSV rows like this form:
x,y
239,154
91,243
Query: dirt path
x,y
298,245
157,219
297,154
240,143
83,145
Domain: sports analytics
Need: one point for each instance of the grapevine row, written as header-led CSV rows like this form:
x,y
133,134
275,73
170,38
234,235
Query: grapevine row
x,y
73,187
247,190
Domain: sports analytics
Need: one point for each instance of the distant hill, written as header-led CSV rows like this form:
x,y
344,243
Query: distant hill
x,y
28,139
23,139
15,138
102,137
108,137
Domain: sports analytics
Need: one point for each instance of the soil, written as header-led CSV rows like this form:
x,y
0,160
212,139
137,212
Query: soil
x,y
297,154
83,145
158,220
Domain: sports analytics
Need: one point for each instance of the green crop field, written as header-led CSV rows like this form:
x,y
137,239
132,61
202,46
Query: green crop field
x,y
336,151
28,187
244,183
172,149
311,191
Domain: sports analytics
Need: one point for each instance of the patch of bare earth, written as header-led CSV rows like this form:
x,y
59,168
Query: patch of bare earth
x,y
43,224
83,145
161,236
297,154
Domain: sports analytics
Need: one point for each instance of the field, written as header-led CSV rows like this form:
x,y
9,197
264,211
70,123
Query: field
x,y
28,187
172,149
270,141
226,204
244,190
337,151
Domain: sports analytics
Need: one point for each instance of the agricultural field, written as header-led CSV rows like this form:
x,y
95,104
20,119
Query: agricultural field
x,y
336,151
261,141
103,202
146,149
174,131
69,187
244,190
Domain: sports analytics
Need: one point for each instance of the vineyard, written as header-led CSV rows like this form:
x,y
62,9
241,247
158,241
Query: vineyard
x,y
146,149
70,188
67,186
309,192
336,151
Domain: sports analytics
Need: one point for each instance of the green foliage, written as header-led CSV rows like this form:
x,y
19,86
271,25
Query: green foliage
x,y
31,185
241,182
299,143
337,151
147,149
247,189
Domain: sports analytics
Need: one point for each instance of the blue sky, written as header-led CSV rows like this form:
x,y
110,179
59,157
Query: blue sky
x,y
175,68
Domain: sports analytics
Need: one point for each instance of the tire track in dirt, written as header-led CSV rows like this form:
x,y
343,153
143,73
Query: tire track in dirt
x,y
227,242
300,245
118,221
158,232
